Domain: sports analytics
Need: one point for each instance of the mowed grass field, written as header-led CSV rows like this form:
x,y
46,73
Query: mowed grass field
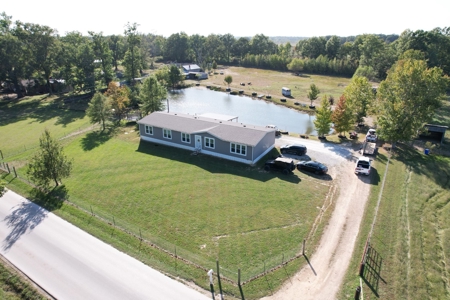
x,y
410,256
197,207
267,82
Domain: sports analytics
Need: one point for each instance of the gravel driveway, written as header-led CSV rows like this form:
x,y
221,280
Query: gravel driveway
x,y
322,278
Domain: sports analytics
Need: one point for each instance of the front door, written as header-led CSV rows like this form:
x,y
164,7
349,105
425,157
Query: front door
x,y
198,142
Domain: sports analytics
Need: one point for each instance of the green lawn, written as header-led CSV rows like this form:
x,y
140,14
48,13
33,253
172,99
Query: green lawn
x,y
22,122
411,237
200,208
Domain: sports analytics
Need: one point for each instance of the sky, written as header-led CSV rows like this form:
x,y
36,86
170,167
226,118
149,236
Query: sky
x,y
298,18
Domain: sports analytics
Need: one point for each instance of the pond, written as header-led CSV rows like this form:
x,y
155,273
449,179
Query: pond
x,y
199,100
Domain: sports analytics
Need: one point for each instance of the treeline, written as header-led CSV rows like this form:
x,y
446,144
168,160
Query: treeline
x,y
87,62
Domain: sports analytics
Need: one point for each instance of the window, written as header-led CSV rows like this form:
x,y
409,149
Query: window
x,y
238,149
149,129
209,142
167,133
185,137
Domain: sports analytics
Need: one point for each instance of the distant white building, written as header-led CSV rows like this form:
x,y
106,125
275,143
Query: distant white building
x,y
191,69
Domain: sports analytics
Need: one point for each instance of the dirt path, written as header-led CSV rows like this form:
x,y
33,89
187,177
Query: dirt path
x,y
322,278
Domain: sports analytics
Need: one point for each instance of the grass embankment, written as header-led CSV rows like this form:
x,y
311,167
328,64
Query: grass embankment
x,y
14,287
199,208
411,237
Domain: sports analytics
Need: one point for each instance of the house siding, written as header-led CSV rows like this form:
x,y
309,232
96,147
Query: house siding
x,y
222,147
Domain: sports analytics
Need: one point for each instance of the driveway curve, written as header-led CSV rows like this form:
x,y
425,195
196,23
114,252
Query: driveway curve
x,y
322,277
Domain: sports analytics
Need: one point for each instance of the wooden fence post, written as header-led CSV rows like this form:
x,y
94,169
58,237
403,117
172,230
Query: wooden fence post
x,y
303,248
15,173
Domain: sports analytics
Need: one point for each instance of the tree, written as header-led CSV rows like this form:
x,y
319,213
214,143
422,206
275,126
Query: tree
x,y
99,109
359,96
13,53
408,98
49,163
103,55
342,116
323,117
175,76
332,46
119,98
132,60
313,93
228,41
117,49
196,44
228,79
296,65
177,46
151,95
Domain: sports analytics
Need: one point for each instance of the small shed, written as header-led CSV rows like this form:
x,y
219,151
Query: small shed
x,y
286,91
435,132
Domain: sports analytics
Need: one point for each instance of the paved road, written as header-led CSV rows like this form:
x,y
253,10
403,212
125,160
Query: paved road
x,y
71,264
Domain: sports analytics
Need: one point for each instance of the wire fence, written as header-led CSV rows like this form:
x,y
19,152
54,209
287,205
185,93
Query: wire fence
x,y
175,251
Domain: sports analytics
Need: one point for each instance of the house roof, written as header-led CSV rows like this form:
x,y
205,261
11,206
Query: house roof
x,y
436,128
192,124
191,67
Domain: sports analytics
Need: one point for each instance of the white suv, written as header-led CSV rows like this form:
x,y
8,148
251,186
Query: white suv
x,y
363,166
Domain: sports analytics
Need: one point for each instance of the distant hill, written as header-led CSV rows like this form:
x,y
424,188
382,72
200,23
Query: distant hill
x,y
294,39
284,39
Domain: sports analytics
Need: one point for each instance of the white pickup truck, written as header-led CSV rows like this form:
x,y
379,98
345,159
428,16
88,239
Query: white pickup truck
x,y
371,136
363,166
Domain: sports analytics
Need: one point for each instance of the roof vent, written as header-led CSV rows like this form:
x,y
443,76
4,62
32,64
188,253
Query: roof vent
x,y
244,126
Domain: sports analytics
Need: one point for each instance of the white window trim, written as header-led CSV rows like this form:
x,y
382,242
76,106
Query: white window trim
x,y
149,129
240,146
167,134
187,137
210,139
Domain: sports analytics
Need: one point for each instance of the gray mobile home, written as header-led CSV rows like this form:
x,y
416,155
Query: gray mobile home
x,y
226,139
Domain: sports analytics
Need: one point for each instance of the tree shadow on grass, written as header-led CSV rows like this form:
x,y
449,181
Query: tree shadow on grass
x,y
215,165
431,166
27,215
96,138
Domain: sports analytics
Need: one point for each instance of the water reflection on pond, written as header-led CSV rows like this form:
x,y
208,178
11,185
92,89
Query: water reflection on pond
x,y
199,100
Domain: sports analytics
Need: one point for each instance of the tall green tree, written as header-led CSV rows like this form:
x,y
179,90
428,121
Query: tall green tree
x,y
342,116
359,96
175,76
408,99
132,60
116,45
313,93
177,47
14,64
152,94
196,44
228,41
99,110
323,117
103,56
332,46
49,163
